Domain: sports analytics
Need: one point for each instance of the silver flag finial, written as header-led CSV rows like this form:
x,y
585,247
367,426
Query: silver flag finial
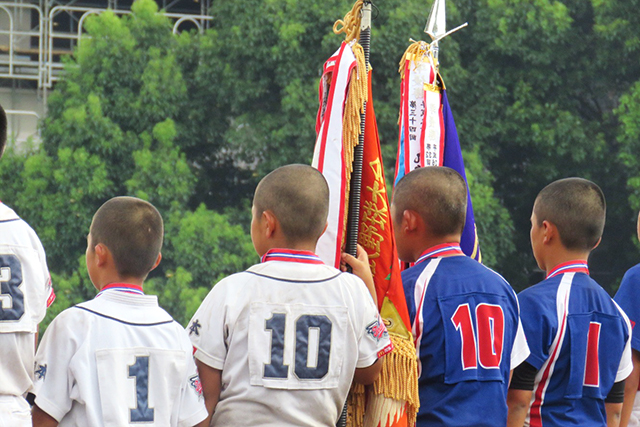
x,y
436,27
437,22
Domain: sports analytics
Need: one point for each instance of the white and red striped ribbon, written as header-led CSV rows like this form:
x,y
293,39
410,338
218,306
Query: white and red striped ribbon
x,y
328,156
422,124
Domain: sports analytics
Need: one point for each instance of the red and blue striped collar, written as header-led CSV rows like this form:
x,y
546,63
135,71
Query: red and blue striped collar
x,y
291,255
122,287
445,249
577,266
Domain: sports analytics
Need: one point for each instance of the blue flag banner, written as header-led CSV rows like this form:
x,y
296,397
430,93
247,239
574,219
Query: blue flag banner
x,y
453,159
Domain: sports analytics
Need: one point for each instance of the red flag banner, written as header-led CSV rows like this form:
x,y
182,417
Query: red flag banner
x,y
393,398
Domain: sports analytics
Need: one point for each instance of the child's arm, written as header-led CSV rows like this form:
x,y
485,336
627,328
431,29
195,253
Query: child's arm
x,y
360,267
211,380
368,375
630,389
613,411
518,402
41,418
520,393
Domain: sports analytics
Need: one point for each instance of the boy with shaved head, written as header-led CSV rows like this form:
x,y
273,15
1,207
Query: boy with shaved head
x,y
465,317
280,343
579,338
118,359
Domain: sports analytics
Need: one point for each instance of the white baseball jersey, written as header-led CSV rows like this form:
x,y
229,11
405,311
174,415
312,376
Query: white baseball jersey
x,y
25,294
287,335
118,360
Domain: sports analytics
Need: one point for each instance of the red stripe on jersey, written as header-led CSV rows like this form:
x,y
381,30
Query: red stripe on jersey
x,y
535,413
122,287
291,255
385,350
51,299
578,266
445,249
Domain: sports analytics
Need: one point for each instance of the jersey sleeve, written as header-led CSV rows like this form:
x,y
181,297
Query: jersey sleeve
x,y
48,287
53,379
374,339
626,363
539,326
191,407
520,350
207,328
628,298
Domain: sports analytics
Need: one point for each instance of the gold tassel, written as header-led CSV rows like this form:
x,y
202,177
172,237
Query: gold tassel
x,y
350,24
353,109
398,382
356,405
398,379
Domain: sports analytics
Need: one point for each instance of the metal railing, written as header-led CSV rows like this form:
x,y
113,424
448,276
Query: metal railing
x,y
19,63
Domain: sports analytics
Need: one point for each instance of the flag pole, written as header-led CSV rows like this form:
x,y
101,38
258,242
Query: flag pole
x,y
353,220
436,28
356,175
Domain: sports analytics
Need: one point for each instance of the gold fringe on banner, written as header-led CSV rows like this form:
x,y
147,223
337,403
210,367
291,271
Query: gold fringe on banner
x,y
394,392
418,52
399,377
355,405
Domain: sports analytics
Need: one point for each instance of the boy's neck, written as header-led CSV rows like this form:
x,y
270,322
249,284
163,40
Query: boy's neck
x,y
109,279
297,246
431,241
562,255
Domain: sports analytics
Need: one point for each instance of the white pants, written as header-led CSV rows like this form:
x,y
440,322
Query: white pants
x,y
14,411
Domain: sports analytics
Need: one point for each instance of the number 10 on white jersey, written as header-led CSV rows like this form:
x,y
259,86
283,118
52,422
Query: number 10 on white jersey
x,y
296,346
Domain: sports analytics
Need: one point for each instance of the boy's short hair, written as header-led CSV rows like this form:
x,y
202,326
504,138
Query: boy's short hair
x,y
132,229
298,196
577,208
3,130
438,194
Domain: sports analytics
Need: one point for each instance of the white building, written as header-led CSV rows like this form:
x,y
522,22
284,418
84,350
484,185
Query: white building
x,y
36,34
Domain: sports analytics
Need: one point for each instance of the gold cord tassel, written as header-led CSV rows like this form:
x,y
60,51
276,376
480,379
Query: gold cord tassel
x,y
356,405
357,96
417,51
350,24
353,109
394,392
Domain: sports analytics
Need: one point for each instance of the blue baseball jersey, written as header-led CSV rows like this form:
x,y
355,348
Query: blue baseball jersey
x,y
628,298
579,341
468,336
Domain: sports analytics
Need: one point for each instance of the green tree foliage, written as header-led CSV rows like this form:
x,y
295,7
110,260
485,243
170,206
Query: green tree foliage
x,y
540,90
113,129
536,83
264,60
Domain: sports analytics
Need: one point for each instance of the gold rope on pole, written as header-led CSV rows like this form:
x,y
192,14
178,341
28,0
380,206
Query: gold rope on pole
x,y
350,24
357,96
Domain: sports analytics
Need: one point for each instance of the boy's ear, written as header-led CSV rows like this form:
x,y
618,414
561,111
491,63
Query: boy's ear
x,y
550,232
157,262
102,254
270,223
597,243
410,221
